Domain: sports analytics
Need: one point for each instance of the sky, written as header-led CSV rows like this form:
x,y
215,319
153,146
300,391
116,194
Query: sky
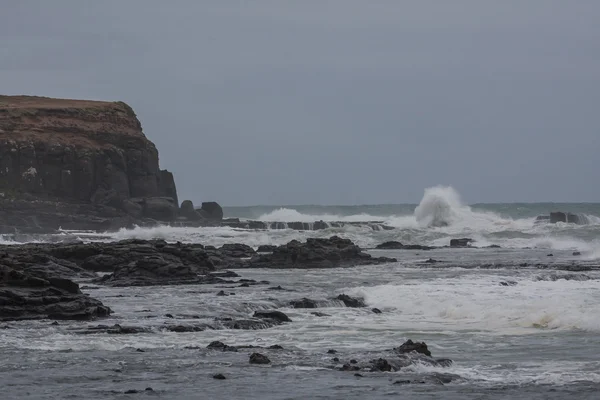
x,y
333,102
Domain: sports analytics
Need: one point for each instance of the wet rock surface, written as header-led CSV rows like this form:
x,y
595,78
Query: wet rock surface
x,y
316,253
24,295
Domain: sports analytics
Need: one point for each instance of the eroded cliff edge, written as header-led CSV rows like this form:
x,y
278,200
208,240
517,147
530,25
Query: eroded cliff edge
x,y
78,164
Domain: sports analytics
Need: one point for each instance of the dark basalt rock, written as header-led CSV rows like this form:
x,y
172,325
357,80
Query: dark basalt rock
x,y
303,303
26,296
219,376
266,248
394,245
391,245
316,253
212,210
237,250
410,346
376,310
273,315
351,301
188,211
463,242
381,365
216,345
257,358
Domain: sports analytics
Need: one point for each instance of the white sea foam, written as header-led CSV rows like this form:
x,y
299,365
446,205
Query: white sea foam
x,y
482,304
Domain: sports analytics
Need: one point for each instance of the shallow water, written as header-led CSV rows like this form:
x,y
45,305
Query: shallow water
x,y
536,339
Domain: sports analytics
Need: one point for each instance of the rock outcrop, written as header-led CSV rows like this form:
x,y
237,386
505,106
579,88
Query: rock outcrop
x,y
78,164
27,295
316,253
567,217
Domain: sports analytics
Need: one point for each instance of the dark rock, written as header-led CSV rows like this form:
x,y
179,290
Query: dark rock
x,y
303,303
266,248
417,247
140,350
221,293
464,242
184,328
219,376
576,253
579,219
169,316
131,391
74,164
348,367
225,274
160,208
216,345
212,210
275,347
257,358
351,301
381,365
335,359
149,389
320,314
25,296
410,346
331,351
353,362
391,245
316,253
278,288
508,283
550,255
237,250
274,315
376,310
358,375
188,211
431,261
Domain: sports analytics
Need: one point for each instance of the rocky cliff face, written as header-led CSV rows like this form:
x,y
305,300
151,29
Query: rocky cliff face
x,y
81,151
90,154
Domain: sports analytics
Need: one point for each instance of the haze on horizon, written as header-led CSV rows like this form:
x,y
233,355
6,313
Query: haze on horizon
x,y
337,102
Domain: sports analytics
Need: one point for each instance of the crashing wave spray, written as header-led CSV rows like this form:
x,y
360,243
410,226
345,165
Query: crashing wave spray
x,y
440,206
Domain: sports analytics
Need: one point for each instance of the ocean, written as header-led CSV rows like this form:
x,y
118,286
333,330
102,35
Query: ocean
x,y
519,321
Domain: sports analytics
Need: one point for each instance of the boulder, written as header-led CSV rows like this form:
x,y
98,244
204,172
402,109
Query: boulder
x,y
351,301
212,210
273,314
25,296
257,358
409,346
463,242
187,210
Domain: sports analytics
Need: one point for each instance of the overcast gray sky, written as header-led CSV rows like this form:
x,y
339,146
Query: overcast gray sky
x,y
333,102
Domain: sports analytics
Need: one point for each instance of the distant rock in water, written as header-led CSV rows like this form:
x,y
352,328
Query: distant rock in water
x,y
463,242
566,217
395,245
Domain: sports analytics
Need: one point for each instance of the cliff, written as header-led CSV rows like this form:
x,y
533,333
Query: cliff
x,y
78,164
